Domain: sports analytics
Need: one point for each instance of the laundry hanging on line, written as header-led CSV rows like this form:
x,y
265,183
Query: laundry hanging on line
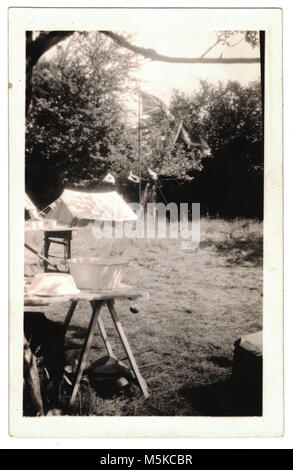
x,y
132,177
109,179
153,174
152,105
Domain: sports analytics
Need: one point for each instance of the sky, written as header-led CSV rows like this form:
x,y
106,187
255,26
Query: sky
x,y
161,78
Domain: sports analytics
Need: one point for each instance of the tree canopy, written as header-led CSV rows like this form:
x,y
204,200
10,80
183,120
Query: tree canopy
x,y
230,117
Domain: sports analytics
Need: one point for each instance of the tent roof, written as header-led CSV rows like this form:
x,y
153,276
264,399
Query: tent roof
x,y
97,206
28,204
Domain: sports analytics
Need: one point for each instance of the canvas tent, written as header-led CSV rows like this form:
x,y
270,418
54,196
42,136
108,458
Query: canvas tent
x,y
75,207
30,207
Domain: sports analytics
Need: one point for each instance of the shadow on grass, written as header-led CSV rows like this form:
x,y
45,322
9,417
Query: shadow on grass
x,y
221,361
239,250
226,398
74,337
76,331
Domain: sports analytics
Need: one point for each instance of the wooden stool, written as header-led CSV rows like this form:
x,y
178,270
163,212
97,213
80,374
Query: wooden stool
x,y
58,237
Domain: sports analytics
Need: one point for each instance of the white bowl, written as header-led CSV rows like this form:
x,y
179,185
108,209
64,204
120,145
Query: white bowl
x,y
96,273
52,284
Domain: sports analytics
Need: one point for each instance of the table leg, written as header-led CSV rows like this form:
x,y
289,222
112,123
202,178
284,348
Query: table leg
x,y
85,349
69,314
46,250
119,328
105,337
69,248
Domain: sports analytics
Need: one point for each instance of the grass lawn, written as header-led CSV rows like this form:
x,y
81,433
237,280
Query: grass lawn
x,y
195,306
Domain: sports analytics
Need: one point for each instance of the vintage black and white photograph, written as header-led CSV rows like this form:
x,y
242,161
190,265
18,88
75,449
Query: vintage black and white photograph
x,y
144,172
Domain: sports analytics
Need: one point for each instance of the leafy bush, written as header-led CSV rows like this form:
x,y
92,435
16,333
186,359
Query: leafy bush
x,y
229,117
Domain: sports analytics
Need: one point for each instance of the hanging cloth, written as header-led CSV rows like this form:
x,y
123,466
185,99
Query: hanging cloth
x,y
132,177
109,179
153,174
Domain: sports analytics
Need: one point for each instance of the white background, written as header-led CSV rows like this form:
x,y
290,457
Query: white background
x,y
285,442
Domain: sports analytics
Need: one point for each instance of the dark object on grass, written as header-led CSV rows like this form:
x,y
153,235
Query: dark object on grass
x,y
108,376
134,308
247,371
238,395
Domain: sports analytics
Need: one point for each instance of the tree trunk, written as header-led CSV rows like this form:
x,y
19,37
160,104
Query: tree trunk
x,y
34,50
32,400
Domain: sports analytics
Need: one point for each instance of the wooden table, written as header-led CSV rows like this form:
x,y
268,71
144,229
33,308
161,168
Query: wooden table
x,y
96,299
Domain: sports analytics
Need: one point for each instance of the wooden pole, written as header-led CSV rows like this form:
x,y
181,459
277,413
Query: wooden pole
x,y
32,379
41,256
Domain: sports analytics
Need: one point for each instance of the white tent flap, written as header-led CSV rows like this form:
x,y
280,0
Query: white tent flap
x,y
28,204
31,208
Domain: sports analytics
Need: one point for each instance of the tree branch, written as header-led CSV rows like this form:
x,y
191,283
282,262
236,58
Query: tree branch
x,y
210,48
153,55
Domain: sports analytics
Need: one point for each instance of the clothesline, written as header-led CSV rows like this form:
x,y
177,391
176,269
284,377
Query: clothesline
x,y
165,179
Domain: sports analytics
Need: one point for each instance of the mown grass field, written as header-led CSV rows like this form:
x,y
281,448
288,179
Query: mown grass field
x,y
195,306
